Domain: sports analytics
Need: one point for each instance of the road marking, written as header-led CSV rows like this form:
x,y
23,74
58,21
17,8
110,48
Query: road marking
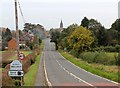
x,y
90,72
74,75
46,76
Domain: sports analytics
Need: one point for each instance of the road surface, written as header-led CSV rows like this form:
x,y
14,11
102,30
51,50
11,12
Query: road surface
x,y
60,72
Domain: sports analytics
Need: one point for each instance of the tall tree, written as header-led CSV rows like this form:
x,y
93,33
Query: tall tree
x,y
98,31
55,38
80,39
116,25
8,35
85,22
64,35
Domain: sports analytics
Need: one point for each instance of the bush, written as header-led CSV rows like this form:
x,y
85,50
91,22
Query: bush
x,y
5,63
7,80
110,49
30,59
118,59
107,48
117,47
88,56
74,53
99,57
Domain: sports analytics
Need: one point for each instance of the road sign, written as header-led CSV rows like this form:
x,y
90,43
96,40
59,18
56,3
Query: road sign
x,y
16,66
16,73
21,56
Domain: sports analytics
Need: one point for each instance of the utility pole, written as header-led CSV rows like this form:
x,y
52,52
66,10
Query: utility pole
x,y
17,30
17,36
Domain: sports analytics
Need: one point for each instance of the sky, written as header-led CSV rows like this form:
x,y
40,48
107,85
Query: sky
x,y
49,13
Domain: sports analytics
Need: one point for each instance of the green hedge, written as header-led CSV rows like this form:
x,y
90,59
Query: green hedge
x,y
101,57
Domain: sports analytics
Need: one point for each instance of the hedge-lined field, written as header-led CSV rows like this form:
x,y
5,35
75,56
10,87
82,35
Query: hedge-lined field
x,y
9,56
101,57
107,71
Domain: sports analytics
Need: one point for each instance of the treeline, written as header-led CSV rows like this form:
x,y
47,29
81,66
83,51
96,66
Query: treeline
x,y
90,35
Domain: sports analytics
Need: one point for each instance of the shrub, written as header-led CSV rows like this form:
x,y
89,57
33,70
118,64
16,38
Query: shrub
x,y
7,80
107,48
99,57
110,49
5,62
117,59
74,53
117,47
30,59
88,56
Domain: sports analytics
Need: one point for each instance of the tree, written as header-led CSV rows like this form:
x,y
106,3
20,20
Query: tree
x,y
98,31
55,38
80,39
116,25
85,22
112,37
35,42
63,36
8,35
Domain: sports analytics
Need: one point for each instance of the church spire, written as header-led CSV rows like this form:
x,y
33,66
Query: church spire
x,y
61,24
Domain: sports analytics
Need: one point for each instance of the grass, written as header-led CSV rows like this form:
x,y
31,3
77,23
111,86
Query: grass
x,y
26,52
14,57
98,69
30,76
0,69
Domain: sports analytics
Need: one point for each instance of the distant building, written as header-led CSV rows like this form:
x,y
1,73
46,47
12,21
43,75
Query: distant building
x,y
12,44
60,29
61,24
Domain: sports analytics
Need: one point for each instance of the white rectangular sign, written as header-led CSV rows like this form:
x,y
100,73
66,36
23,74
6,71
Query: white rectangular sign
x,y
15,73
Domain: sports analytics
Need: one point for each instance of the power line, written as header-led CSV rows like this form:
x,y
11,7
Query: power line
x,y
21,12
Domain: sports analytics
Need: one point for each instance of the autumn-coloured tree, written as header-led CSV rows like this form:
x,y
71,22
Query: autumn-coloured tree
x,y
80,39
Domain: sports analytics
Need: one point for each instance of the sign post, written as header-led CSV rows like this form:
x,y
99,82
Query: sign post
x,y
16,69
21,56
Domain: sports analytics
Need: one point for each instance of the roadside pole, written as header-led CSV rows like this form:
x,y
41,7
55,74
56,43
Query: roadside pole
x,y
17,35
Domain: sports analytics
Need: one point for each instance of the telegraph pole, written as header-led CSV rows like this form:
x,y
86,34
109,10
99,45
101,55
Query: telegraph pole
x,y
17,30
17,36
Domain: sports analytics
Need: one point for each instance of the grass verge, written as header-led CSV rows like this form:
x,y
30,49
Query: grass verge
x,y
89,67
0,69
30,76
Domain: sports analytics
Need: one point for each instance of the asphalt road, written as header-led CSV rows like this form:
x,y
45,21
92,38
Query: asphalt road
x,y
60,72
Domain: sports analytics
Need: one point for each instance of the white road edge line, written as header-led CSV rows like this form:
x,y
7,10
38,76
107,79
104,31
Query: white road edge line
x,y
90,72
46,76
74,75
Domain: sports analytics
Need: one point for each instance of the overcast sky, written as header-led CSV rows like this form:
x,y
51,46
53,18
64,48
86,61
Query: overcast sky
x,y
50,12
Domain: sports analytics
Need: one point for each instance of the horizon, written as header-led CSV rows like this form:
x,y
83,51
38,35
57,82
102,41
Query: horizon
x,y
49,13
